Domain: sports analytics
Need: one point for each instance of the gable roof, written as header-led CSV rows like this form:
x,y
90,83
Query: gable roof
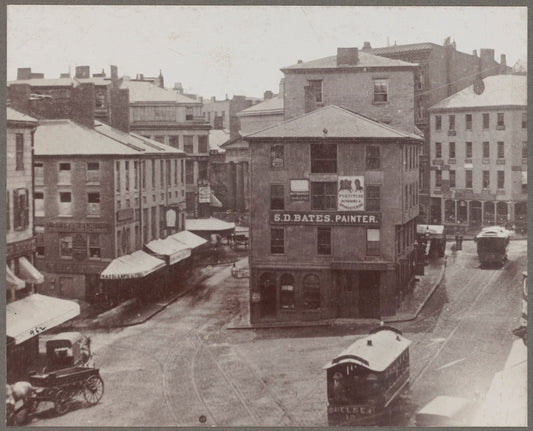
x,y
365,60
269,106
339,123
65,137
19,117
410,47
143,91
500,90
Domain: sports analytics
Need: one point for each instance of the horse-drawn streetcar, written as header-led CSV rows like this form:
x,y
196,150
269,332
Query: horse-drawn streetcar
x,y
367,381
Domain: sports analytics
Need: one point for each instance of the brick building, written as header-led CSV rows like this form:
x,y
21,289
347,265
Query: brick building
x,y
478,154
334,201
442,72
222,114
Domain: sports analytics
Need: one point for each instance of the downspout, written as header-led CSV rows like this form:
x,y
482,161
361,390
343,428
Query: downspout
x,y
33,232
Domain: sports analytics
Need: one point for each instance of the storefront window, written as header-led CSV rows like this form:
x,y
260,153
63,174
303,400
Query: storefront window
x,y
311,288
449,211
65,245
287,291
488,213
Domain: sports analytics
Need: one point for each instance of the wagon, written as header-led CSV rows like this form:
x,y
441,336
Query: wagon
x,y
66,350
61,386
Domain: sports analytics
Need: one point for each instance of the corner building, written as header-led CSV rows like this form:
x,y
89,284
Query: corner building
x,y
334,196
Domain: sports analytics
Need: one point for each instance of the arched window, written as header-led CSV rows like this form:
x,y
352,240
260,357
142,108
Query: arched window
x,y
488,213
311,288
475,213
501,213
287,291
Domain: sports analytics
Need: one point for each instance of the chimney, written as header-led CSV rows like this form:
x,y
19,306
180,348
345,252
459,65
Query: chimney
x,y
503,60
486,57
64,75
213,98
83,104
23,73
300,61
83,72
268,95
120,104
281,91
347,56
114,72
366,45
37,76
474,52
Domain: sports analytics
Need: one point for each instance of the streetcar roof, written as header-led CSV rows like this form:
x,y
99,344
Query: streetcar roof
x,y
493,232
384,349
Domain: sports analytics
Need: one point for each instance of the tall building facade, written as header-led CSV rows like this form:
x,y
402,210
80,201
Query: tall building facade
x,y
478,154
333,207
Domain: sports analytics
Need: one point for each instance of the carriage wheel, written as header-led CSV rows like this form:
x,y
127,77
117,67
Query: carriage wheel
x,y
62,402
93,389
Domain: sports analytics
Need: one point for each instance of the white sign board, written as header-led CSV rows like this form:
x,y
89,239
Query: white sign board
x,y
351,193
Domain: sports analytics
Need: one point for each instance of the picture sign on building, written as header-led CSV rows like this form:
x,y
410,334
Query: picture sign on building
x,y
204,192
351,193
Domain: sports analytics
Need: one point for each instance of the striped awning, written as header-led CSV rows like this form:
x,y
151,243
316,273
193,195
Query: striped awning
x,y
175,251
135,265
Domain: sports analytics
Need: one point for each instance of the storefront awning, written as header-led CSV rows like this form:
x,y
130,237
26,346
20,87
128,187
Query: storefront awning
x,y
174,250
189,239
135,265
36,313
28,272
215,202
211,225
12,281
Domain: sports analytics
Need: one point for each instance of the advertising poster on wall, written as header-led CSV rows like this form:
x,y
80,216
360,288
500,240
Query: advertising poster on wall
x,y
351,193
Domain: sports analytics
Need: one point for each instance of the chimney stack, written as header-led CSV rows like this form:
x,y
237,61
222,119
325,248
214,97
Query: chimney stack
x,y
366,45
24,73
281,91
268,95
83,72
474,52
503,60
83,104
347,56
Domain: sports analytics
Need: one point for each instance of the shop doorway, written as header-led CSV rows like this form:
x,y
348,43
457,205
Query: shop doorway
x,y
347,282
267,284
369,294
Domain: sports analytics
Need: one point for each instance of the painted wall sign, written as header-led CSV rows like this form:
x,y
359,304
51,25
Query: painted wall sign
x,y
325,218
77,227
79,247
204,194
351,193
299,190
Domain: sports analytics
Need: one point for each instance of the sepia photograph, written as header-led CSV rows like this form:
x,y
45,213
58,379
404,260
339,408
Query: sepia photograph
x,y
265,216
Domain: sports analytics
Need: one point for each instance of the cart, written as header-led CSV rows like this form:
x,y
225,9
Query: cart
x,y
66,350
61,386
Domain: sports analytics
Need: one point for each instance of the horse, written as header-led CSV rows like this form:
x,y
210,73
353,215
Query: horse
x,y
20,391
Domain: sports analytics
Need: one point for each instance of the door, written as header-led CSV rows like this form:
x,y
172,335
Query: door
x,y
268,295
347,282
369,294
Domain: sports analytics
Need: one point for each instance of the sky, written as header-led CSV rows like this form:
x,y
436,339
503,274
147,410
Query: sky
x,y
238,50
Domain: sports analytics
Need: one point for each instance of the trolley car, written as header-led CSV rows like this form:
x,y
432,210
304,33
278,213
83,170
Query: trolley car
x,y
492,244
368,379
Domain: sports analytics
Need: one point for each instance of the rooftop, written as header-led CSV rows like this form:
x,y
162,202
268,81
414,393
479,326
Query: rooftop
x,y
269,106
365,60
331,122
13,115
47,82
142,91
403,48
65,137
500,90
218,137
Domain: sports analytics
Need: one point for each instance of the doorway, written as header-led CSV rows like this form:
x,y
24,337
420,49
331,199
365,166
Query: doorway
x,y
369,282
267,284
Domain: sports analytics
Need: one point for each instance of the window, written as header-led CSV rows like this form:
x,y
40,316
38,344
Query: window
x,y
451,122
381,87
277,156
94,246
202,144
135,175
64,173
468,151
65,203
501,120
323,158
65,245
19,165
21,209
38,172
117,176
311,291
316,87
93,204
372,242
188,145
277,240
452,178
277,197
524,149
189,171
373,158
93,172
286,295
486,150
438,122
451,150
323,243
182,170
153,174
486,122
438,179
39,250
486,179
202,170
39,204
501,179
468,121
161,174
324,195
176,173
189,113
373,198
438,150
468,178
174,141
127,174
524,120
501,150
168,171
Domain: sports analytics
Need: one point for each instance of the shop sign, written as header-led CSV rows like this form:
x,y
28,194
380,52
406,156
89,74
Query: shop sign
x,y
74,268
299,190
256,297
204,192
79,247
325,218
125,214
171,218
353,410
351,193
77,227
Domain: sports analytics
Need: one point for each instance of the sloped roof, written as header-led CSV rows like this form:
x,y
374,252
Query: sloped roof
x,y
142,91
47,82
500,90
210,224
365,60
99,80
339,123
13,115
64,137
218,137
403,48
269,106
